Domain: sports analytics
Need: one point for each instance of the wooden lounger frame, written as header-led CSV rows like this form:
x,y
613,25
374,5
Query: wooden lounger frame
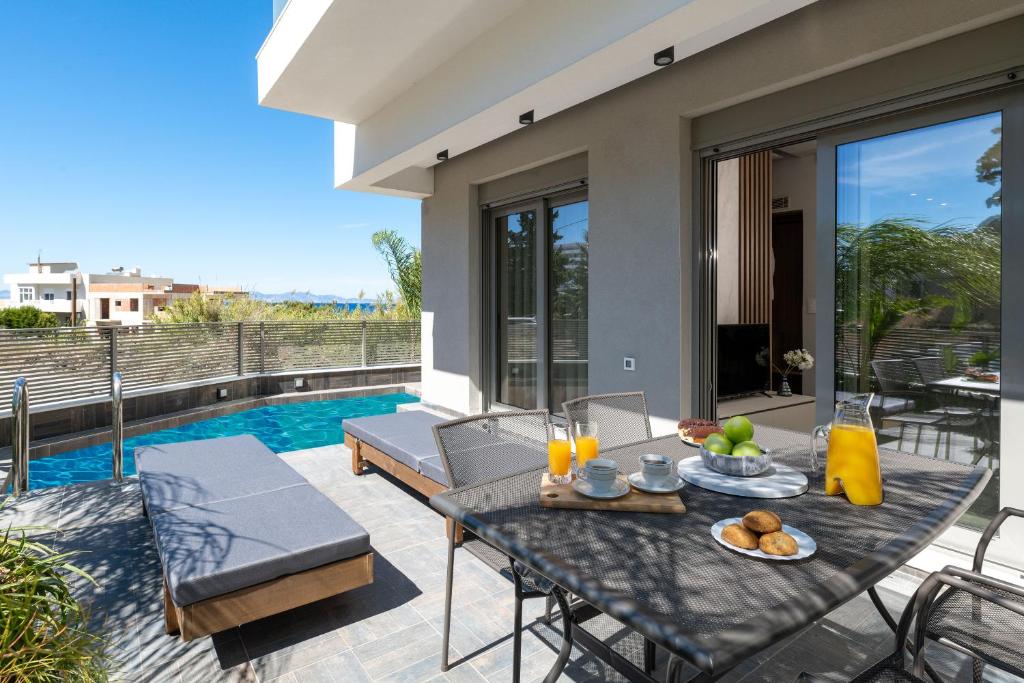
x,y
262,600
363,454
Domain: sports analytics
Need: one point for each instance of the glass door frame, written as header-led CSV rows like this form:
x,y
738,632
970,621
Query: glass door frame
x,y
1010,102
541,204
958,100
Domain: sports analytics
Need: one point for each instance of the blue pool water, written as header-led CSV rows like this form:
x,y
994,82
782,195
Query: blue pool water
x,y
282,428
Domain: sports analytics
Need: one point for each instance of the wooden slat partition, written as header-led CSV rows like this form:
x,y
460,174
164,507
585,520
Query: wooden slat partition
x,y
755,237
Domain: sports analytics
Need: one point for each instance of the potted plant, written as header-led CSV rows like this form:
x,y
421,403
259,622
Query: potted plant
x,y
796,360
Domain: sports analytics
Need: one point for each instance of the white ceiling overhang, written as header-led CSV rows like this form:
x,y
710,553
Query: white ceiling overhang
x,y
405,79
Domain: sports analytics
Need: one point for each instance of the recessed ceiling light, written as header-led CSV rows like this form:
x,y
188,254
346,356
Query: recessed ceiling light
x,y
442,155
526,118
665,57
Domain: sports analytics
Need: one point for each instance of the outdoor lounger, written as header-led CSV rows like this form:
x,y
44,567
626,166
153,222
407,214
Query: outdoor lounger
x,y
241,535
401,444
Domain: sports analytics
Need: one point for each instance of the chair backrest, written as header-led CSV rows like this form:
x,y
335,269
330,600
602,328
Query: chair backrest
x,y
930,369
483,447
621,418
894,375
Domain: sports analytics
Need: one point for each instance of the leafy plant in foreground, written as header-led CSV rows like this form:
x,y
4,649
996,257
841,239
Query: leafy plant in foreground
x,y
44,634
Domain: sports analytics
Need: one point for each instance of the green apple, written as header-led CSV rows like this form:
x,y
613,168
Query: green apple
x,y
716,443
746,448
738,429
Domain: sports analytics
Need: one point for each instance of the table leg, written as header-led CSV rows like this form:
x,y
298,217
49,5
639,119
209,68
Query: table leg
x,y
566,649
677,672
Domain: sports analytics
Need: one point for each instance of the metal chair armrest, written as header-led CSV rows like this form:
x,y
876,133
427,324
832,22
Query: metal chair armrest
x,y
990,532
952,577
984,579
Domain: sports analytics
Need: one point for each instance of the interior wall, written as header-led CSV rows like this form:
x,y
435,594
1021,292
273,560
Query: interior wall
x,y
795,179
727,217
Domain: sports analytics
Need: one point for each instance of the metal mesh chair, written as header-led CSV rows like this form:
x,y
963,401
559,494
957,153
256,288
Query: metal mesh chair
x,y
977,589
990,633
621,418
970,612
955,415
483,447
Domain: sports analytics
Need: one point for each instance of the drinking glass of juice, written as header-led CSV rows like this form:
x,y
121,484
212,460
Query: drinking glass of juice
x,y
585,436
559,454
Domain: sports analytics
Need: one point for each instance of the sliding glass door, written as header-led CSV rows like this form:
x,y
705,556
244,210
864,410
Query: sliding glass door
x,y
921,214
538,258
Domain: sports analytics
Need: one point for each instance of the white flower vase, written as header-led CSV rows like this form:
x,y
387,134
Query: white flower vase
x,y
784,389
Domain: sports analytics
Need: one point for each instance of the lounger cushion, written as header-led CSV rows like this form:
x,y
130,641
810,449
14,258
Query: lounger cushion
x,y
433,468
177,475
407,436
215,548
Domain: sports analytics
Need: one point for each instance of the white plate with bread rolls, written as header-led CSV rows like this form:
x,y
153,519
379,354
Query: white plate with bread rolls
x,y
762,534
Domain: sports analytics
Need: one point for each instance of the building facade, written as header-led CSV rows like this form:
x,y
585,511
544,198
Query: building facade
x,y
666,196
124,297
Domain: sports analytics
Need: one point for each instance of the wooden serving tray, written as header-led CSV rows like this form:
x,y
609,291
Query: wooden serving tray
x,y
564,496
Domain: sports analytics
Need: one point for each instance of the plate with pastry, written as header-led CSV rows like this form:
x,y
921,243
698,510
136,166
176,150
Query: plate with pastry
x,y
693,430
761,533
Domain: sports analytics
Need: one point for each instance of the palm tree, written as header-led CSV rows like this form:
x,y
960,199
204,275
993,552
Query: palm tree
x,y
404,266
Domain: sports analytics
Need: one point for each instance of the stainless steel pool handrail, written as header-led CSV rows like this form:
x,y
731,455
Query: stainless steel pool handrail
x,y
117,425
19,436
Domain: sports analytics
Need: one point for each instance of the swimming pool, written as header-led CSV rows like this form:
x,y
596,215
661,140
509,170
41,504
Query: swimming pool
x,y
283,428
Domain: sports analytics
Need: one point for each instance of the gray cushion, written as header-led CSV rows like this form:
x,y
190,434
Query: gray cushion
x,y
219,547
407,437
433,468
885,405
176,475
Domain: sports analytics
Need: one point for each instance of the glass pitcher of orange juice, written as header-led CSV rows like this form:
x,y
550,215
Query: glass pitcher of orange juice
x,y
851,463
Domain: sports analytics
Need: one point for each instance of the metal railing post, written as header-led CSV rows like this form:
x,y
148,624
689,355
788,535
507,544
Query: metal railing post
x,y
241,350
364,344
113,355
263,348
19,436
117,427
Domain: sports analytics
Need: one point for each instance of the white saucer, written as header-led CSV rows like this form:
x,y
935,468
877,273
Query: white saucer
x,y
618,489
804,543
637,479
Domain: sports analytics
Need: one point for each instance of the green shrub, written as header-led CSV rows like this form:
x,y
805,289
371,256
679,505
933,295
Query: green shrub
x,y
21,317
44,634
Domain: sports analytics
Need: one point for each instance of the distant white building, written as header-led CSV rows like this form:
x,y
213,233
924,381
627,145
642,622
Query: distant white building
x,y
49,287
121,296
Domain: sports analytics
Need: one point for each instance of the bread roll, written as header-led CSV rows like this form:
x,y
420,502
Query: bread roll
x,y
778,543
739,536
762,522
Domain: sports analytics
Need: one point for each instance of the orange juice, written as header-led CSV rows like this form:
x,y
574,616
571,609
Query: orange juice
x,y
586,449
852,465
559,457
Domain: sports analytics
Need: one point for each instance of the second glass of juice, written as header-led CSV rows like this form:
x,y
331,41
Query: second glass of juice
x,y
585,436
559,455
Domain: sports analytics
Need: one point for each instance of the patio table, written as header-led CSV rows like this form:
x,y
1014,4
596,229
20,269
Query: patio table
x,y
966,383
664,575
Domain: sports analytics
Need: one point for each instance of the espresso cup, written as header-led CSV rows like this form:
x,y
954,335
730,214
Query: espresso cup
x,y
601,473
656,468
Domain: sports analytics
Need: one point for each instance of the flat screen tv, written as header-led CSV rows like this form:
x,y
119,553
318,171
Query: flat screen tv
x,y
743,360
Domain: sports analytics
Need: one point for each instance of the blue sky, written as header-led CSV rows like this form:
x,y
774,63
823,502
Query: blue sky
x,y
130,135
927,173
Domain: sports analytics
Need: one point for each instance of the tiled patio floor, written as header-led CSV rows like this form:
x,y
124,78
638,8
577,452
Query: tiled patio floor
x,y
390,630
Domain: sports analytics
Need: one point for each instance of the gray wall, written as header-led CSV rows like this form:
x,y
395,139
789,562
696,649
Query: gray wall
x,y
638,141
